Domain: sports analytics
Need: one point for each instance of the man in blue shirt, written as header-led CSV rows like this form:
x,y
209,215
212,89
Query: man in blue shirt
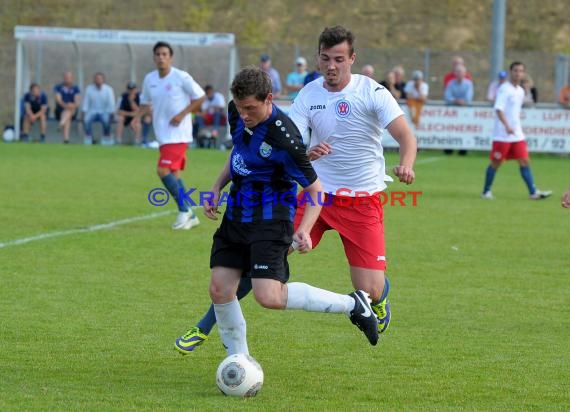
x,y
459,91
296,79
256,232
265,64
67,100
35,108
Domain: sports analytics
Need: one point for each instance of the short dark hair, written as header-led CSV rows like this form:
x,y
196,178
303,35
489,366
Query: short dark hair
x,y
208,87
251,81
331,36
513,64
34,85
160,44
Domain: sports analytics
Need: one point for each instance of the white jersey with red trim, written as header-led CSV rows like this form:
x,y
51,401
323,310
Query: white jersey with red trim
x,y
509,100
168,96
351,121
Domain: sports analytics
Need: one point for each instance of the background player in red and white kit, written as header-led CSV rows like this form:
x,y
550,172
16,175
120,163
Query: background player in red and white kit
x,y
508,137
173,95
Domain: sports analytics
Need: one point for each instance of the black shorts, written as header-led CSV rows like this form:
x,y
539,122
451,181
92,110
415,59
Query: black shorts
x,y
258,248
127,120
59,111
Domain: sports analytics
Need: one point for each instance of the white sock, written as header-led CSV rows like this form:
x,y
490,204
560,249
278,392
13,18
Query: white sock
x,y
312,299
231,326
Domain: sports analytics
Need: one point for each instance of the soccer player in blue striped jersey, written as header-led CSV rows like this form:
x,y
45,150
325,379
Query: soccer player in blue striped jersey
x,y
267,160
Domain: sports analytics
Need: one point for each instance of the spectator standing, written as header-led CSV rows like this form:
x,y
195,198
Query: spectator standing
x,y
367,70
564,96
416,95
390,83
459,91
296,79
495,84
450,75
313,75
67,101
400,83
98,106
35,108
530,92
265,64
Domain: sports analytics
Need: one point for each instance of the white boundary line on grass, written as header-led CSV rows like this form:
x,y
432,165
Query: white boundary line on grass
x,y
88,229
121,222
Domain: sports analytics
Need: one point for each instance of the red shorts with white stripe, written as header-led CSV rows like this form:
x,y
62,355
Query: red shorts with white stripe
x,y
173,156
509,150
360,225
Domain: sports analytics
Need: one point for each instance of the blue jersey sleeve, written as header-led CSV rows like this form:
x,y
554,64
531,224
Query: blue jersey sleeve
x,y
293,152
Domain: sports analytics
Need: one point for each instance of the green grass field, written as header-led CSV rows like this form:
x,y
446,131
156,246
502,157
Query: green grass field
x,y
88,317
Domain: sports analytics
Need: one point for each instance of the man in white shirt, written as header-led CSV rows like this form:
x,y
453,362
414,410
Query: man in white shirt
x,y
173,95
508,138
98,106
346,114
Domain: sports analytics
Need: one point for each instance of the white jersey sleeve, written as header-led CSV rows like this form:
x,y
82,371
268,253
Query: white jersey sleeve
x,y
501,100
385,106
299,114
145,93
191,87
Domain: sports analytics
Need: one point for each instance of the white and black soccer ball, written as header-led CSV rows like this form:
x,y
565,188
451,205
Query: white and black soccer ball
x,y
239,375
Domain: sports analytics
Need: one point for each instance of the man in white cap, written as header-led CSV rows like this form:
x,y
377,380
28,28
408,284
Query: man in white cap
x,y
296,79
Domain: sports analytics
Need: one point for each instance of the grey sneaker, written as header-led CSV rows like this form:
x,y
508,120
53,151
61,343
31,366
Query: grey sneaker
x,y
540,194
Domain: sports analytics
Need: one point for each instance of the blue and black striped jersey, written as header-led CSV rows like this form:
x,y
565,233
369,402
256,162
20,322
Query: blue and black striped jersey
x,y
266,162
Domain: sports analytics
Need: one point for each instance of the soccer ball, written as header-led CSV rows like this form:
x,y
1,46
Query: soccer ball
x,y
239,375
8,135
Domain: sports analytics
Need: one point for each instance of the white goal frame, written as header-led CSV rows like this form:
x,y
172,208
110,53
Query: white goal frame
x,y
80,38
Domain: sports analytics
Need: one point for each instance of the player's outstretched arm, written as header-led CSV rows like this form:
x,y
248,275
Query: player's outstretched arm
x,y
402,133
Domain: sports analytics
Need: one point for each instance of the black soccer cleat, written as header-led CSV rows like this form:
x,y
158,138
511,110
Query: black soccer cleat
x,y
363,316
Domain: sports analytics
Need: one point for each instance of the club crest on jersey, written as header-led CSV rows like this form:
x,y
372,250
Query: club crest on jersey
x,y
239,166
343,108
265,150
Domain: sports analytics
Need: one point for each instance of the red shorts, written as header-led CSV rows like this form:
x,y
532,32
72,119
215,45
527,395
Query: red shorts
x,y
173,156
509,150
360,226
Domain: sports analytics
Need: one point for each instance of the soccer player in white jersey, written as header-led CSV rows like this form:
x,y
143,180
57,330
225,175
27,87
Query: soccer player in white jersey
x,y
346,114
508,138
173,94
